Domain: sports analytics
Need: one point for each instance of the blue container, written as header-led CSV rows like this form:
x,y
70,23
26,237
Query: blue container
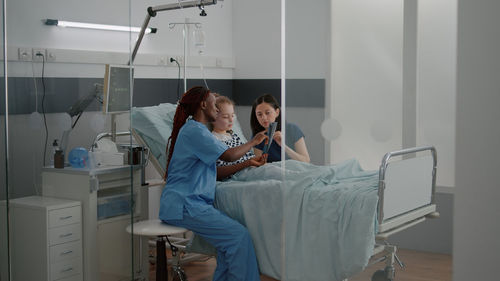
x,y
78,157
113,206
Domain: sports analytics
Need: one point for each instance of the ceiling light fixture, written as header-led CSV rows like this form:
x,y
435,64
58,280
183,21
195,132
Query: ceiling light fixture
x,y
97,26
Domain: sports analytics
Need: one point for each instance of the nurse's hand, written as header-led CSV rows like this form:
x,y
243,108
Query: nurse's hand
x,y
258,160
259,137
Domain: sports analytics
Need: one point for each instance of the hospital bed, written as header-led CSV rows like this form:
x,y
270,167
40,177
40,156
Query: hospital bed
x,y
313,222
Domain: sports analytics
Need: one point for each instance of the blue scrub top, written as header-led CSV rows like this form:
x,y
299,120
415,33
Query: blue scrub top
x,y
192,172
293,134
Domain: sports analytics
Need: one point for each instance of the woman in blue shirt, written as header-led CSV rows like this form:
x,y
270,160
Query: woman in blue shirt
x,y
266,110
188,197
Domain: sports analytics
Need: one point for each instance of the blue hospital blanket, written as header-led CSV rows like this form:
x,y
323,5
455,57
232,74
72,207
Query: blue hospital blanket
x,y
328,214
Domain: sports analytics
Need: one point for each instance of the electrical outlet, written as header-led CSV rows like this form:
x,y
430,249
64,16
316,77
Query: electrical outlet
x,y
219,62
24,54
51,55
180,60
39,55
162,61
170,62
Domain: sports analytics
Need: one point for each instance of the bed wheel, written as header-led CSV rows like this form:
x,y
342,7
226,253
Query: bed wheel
x,y
379,275
386,274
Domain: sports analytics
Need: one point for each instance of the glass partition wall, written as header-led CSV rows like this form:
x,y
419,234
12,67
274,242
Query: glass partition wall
x,y
4,237
305,74
342,102
66,180
358,82
344,78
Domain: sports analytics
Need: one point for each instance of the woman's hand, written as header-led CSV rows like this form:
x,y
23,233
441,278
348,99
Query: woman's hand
x,y
258,161
259,137
277,137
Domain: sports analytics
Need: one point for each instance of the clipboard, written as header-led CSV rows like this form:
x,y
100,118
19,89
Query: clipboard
x,y
270,133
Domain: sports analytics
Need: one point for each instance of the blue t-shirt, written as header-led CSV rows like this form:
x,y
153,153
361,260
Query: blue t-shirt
x,y
192,173
293,134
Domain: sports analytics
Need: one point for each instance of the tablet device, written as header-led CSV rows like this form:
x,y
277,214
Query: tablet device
x,y
270,133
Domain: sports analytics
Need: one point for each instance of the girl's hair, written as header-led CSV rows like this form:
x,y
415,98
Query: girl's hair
x,y
219,100
254,123
222,100
187,106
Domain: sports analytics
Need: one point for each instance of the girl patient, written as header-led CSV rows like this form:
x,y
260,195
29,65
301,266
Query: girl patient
x,y
222,129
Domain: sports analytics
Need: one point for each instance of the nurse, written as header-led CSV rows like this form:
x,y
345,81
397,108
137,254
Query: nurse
x,y
188,197
265,110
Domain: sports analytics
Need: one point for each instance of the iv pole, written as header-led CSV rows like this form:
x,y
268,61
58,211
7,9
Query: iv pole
x,y
152,13
167,7
185,37
161,264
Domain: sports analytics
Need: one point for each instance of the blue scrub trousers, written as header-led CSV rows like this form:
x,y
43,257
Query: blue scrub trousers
x,y
236,258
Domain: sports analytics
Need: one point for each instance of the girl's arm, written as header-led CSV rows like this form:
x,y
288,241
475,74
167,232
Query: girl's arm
x,y
235,153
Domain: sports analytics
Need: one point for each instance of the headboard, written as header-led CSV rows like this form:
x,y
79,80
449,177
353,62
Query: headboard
x,y
152,126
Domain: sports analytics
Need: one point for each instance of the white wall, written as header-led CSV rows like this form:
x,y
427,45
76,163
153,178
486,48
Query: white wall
x,y
366,79
370,70
307,39
257,38
248,31
392,87
256,34
25,29
83,53
477,211
257,49
436,82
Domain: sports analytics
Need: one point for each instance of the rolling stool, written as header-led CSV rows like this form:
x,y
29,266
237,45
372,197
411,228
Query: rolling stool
x,y
161,230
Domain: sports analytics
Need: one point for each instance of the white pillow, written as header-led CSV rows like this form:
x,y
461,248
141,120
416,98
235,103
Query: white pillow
x,y
154,125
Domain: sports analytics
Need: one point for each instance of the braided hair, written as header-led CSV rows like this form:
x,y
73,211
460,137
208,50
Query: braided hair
x,y
187,106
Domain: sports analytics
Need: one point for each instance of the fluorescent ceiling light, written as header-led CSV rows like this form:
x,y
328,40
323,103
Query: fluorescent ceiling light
x,y
97,26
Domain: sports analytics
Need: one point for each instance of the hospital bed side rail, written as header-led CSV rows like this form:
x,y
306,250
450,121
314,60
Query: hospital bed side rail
x,y
387,227
152,158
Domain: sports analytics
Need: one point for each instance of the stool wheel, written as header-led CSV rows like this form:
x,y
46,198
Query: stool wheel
x,y
178,274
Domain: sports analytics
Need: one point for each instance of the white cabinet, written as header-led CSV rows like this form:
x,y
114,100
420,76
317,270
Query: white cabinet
x,y
107,196
45,239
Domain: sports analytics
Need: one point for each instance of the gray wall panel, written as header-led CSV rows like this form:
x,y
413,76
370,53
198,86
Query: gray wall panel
x,y
433,235
300,92
61,93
